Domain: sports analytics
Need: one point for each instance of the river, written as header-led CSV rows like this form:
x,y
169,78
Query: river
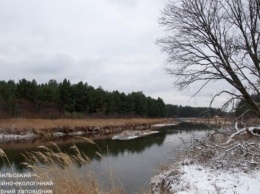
x,y
132,163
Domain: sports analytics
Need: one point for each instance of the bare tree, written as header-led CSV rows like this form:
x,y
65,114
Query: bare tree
x,y
211,40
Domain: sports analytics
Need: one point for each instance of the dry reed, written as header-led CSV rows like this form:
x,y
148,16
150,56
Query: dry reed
x,y
64,170
49,123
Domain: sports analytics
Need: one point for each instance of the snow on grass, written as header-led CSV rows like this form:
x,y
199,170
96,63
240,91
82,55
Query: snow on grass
x,y
129,134
15,137
196,179
164,124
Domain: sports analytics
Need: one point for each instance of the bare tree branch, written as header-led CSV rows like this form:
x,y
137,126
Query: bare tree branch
x,y
214,40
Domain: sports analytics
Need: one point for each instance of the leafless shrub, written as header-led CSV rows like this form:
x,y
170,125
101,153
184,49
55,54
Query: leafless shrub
x,y
224,150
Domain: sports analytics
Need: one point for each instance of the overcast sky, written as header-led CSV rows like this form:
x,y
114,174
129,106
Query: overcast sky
x,y
107,43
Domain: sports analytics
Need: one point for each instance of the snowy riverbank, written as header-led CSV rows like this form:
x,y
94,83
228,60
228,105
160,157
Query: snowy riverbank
x,y
223,162
196,179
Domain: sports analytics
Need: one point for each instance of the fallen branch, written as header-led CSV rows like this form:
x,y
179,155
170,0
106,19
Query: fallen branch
x,y
255,131
240,149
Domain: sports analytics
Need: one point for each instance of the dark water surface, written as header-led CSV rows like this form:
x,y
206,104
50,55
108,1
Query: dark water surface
x,y
131,163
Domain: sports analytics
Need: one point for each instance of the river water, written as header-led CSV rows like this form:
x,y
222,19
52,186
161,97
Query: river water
x,y
131,163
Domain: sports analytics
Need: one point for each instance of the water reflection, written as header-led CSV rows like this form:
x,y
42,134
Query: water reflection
x,y
133,161
114,147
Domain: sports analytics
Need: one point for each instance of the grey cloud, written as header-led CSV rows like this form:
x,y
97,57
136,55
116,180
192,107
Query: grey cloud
x,y
39,67
41,64
126,3
108,43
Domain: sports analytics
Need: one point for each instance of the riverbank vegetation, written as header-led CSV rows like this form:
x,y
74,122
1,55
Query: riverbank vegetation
x,y
226,160
52,129
23,123
61,171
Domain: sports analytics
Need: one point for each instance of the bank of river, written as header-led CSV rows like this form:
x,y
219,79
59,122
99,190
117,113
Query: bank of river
x,y
45,130
132,163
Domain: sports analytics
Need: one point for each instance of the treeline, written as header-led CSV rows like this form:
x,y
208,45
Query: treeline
x,y
242,108
55,100
188,111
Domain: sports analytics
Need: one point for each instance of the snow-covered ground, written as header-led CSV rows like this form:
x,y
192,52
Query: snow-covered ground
x,y
164,124
129,134
15,137
197,179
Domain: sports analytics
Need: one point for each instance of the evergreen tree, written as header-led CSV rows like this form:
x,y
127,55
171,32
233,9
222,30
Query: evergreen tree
x,y
67,99
81,97
27,90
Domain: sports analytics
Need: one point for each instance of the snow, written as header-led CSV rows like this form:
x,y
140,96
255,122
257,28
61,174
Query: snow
x,y
128,135
15,137
118,137
59,134
164,124
77,133
196,179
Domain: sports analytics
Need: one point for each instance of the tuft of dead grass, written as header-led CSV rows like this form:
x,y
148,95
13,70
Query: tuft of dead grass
x,y
64,170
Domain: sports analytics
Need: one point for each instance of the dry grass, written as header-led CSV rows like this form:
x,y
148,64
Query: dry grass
x,y
65,171
48,123
211,121
68,172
